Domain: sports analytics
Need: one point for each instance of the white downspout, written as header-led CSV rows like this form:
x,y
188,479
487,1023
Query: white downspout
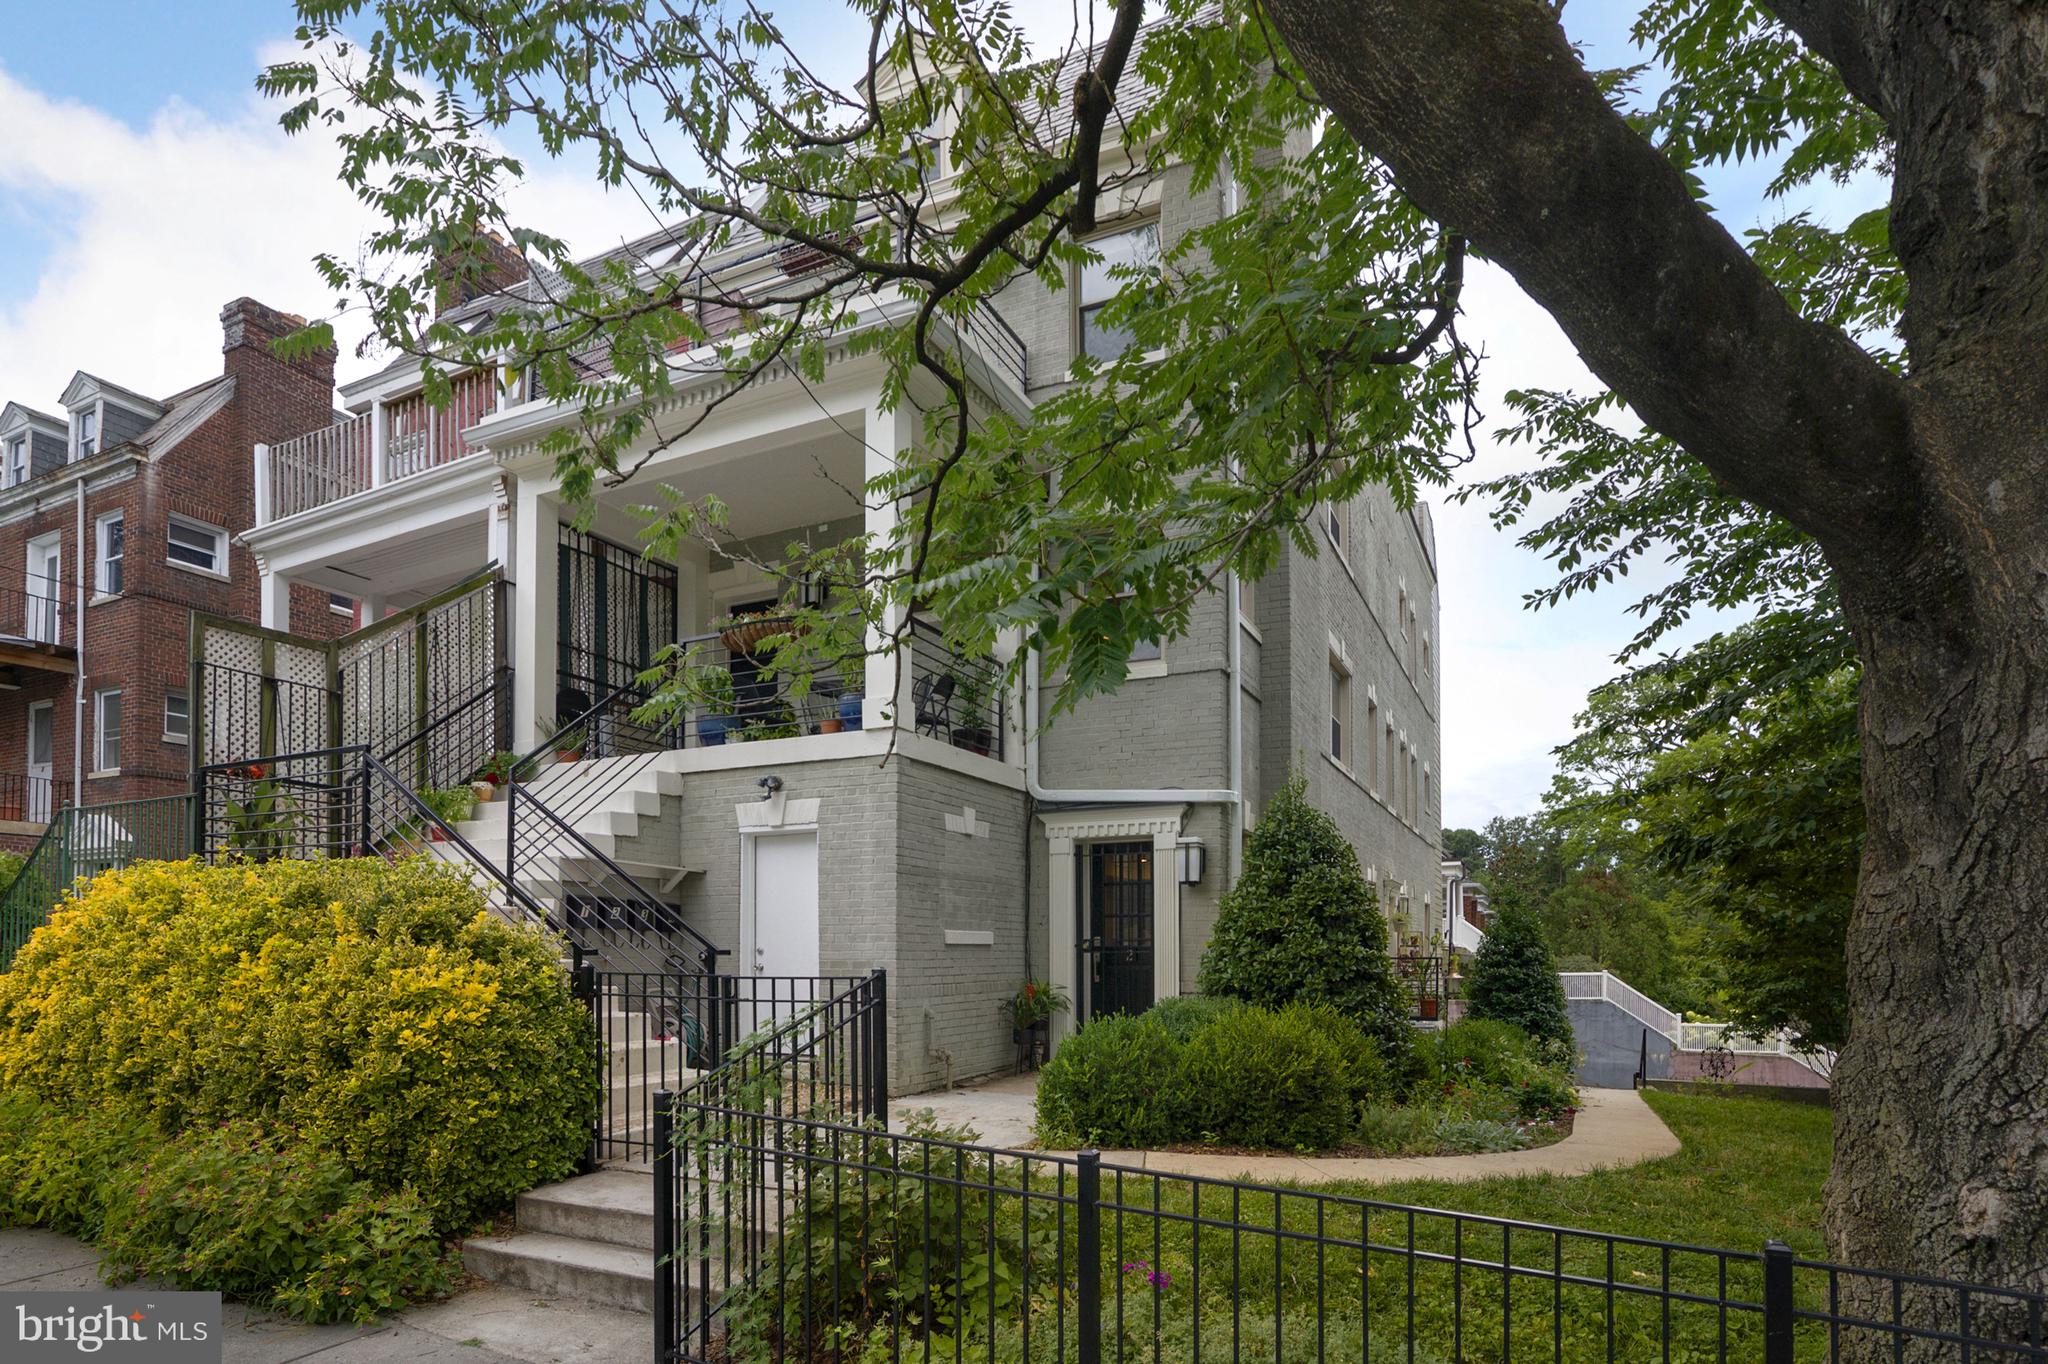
x,y
78,627
1093,796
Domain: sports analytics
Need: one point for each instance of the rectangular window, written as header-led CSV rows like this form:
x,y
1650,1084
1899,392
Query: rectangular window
x,y
177,718
1340,712
340,605
1334,520
87,442
107,539
1371,766
106,743
1248,602
1144,650
198,546
1122,253
17,461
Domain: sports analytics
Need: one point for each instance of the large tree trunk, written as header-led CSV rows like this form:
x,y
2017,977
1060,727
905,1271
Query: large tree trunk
x,y
1929,496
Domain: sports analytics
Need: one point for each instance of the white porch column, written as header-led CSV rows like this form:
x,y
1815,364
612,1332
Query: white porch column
x,y
498,526
1165,915
534,572
885,435
274,597
264,495
1063,918
373,606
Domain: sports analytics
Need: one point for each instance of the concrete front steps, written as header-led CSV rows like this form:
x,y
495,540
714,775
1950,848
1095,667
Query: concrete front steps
x,y
590,1238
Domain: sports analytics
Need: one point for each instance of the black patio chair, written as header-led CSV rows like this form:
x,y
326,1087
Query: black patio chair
x,y
931,698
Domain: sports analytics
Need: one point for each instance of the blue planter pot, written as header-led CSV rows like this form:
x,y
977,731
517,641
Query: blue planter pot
x,y
849,711
711,730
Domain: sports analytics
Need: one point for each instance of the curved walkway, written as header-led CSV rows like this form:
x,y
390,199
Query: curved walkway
x,y
1614,1128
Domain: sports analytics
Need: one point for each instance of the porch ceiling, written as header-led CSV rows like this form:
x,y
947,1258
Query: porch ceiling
x,y
407,568
776,488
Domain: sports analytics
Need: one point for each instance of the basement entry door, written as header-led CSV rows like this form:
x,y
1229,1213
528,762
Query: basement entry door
x,y
779,928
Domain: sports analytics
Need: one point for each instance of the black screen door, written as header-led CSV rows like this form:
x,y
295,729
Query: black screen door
x,y
1116,949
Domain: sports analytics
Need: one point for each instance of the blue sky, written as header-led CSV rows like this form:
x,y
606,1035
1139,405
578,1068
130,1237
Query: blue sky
x,y
143,184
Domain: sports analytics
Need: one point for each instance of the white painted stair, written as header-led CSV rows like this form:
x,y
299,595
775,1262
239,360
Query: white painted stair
x,y
611,803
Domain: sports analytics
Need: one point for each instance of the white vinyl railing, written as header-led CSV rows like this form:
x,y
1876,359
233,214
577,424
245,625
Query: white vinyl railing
x,y
1685,1035
1605,985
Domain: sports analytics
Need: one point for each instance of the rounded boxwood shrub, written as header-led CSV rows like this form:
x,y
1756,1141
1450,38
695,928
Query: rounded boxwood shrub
x,y
1111,1084
376,1010
1272,1077
1303,926
1185,1015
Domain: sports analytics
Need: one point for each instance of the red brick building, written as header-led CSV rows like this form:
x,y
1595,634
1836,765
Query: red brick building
x,y
118,517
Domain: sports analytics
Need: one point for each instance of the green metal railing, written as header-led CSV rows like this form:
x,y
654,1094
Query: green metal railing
x,y
83,842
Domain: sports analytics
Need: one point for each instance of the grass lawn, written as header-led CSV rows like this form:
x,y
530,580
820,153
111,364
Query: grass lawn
x,y
1193,1271
1750,1171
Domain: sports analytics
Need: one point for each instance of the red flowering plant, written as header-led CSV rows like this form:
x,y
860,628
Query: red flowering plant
x,y
1035,1002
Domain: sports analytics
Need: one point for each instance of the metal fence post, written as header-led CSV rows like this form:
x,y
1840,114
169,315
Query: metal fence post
x,y
1088,1251
878,1069
664,1225
583,986
1778,1303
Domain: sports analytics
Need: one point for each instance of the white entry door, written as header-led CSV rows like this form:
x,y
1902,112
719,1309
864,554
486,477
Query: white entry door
x,y
42,733
779,918
45,570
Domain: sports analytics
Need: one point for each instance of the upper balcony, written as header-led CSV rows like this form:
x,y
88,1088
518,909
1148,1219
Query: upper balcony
x,y
401,437
38,626
396,439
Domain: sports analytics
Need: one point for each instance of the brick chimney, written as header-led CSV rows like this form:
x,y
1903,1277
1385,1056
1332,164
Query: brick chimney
x,y
485,264
278,398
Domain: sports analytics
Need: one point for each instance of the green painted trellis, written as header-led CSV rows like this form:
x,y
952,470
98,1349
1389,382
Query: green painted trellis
x,y
261,693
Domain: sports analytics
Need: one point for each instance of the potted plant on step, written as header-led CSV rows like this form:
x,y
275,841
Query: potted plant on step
x,y
450,806
1031,1012
568,742
503,768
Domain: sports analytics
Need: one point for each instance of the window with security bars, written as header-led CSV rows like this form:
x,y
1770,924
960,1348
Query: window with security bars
x,y
615,609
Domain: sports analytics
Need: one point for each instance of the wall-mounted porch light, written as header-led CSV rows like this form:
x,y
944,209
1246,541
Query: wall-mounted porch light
x,y
1188,859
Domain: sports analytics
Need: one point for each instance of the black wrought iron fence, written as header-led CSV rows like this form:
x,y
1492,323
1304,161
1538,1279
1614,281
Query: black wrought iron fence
x,y
817,1036
288,805
84,841
781,1236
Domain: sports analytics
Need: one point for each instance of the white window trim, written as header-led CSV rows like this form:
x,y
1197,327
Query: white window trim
x,y
99,432
1341,666
220,537
1136,222
99,554
169,737
99,733
348,611
25,441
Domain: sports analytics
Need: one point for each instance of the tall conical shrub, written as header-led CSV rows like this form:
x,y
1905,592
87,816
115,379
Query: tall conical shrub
x,y
1514,978
1302,925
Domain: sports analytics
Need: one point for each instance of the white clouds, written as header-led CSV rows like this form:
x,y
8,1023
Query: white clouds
x,y
153,229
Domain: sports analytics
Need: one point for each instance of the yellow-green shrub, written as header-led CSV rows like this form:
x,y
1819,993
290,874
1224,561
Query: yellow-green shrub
x,y
376,1009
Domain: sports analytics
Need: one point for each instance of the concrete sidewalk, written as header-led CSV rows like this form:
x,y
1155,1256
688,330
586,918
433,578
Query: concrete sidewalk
x,y
1614,1128
488,1325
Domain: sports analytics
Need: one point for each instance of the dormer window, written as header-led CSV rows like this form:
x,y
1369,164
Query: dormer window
x,y
85,438
16,466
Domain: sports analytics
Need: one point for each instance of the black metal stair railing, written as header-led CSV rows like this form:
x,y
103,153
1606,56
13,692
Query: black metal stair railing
x,y
599,906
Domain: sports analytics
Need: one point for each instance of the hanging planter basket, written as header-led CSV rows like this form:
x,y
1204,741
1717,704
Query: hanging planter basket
x,y
744,636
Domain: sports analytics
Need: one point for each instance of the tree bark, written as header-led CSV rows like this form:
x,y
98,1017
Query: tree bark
x,y
1929,496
